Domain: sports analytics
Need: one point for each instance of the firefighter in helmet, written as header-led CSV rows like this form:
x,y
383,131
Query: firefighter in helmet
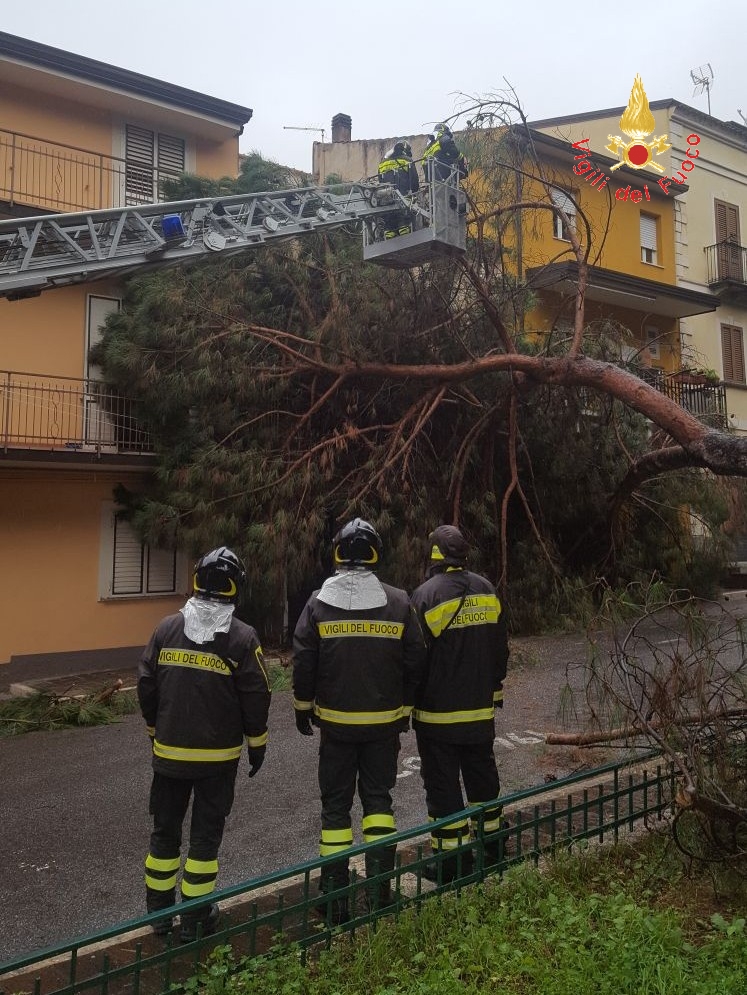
x,y
203,691
398,169
465,629
358,656
442,157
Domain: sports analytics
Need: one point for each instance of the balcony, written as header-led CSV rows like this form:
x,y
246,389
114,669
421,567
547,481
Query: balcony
x,y
66,418
703,398
726,266
37,175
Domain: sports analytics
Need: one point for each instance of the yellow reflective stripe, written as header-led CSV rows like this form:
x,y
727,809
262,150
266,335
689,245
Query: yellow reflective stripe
x,y
192,890
160,884
162,863
361,627
436,553
498,695
477,609
193,866
151,730
337,836
359,718
440,843
406,711
378,822
303,706
328,851
195,756
259,657
447,718
188,658
255,741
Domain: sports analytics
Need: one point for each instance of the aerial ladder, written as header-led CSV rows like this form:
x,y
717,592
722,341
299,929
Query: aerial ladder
x,y
55,250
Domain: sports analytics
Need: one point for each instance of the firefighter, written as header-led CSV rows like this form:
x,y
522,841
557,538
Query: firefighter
x,y
398,169
441,156
465,630
203,689
358,655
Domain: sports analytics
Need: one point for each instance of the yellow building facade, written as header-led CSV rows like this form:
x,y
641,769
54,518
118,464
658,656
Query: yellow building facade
x,y
80,135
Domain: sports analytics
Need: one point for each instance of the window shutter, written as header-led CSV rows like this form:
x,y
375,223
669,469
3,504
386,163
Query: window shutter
x,y
127,575
562,200
139,164
161,571
727,222
648,232
170,154
732,351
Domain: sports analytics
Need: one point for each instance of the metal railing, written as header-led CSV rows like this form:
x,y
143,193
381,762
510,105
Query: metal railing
x,y
50,176
265,914
64,414
726,262
705,400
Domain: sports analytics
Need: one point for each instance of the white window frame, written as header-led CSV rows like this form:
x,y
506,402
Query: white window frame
x,y
649,238
562,199
653,339
117,539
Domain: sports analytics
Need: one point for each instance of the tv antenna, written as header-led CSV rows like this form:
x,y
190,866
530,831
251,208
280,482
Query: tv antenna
x,y
297,127
702,77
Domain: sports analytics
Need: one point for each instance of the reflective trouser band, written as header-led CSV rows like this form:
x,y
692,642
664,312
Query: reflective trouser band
x,y
497,696
335,841
196,756
448,718
303,706
359,718
199,877
492,819
160,872
376,826
451,836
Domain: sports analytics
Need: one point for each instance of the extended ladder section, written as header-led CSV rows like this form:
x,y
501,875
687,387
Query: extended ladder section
x,y
54,250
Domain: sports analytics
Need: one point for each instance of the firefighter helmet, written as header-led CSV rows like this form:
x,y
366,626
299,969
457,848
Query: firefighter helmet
x,y
449,548
443,131
218,575
357,544
403,149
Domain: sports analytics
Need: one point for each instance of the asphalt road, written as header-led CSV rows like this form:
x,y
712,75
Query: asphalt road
x,y
75,825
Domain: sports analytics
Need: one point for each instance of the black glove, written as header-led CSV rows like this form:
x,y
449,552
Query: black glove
x,y
303,722
256,758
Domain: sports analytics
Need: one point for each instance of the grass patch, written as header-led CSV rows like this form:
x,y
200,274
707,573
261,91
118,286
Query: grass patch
x,y
612,921
45,711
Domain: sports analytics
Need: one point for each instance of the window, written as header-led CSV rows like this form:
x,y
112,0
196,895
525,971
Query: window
x,y
562,199
149,157
732,351
649,241
129,568
728,249
652,341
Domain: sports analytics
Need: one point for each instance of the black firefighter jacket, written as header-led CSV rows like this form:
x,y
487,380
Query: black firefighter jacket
x,y
358,670
467,657
201,700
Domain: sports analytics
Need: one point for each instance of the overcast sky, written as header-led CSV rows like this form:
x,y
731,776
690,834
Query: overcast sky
x,y
397,68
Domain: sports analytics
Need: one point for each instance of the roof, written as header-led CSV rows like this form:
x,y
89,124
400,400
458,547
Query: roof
x,y
733,127
57,60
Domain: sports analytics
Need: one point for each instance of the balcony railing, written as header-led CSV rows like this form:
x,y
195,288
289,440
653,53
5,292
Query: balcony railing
x,y
705,400
50,176
726,263
61,414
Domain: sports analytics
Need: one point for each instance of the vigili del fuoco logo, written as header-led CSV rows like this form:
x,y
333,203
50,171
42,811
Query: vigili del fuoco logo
x,y
637,122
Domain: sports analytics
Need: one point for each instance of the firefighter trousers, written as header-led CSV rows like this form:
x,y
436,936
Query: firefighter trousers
x,y
372,765
212,799
441,764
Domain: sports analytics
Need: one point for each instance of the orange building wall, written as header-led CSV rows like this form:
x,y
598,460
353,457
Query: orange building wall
x,y
61,511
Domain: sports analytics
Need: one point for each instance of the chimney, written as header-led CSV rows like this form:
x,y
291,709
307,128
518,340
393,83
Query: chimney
x,y
342,125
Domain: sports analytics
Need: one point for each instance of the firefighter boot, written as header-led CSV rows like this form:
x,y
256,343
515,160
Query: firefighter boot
x,y
379,862
335,910
448,869
203,922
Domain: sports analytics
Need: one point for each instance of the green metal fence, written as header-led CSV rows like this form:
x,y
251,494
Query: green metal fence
x,y
267,913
